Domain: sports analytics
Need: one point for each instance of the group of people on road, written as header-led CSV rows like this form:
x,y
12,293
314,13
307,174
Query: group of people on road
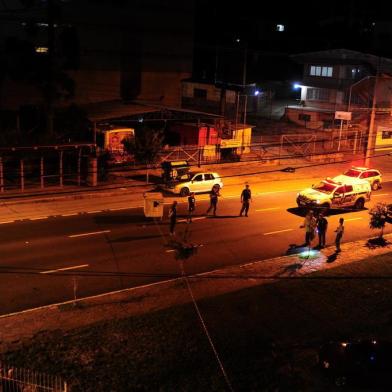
x,y
312,224
246,197
319,224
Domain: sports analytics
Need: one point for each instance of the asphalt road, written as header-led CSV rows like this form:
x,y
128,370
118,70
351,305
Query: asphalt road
x,y
46,261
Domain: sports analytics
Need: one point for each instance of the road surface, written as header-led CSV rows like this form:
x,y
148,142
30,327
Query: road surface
x,y
45,261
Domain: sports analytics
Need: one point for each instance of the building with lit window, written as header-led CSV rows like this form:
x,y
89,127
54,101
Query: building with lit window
x,y
339,80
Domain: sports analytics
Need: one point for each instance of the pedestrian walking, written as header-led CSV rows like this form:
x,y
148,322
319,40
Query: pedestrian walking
x,y
246,197
191,206
322,225
310,226
339,234
173,217
214,194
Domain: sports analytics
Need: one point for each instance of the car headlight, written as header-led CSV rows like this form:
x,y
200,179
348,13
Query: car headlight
x,y
318,201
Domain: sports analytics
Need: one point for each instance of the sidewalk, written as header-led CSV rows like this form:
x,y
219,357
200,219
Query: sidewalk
x,y
16,328
232,174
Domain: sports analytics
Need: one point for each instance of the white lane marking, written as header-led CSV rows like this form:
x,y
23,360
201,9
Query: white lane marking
x,y
268,209
380,194
353,219
65,269
4,222
94,212
193,219
268,193
122,208
39,217
71,214
86,234
279,231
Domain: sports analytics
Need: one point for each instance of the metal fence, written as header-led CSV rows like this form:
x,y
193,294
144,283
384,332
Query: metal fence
x,y
14,379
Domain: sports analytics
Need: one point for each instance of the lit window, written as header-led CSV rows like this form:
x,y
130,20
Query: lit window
x,y
317,70
41,49
279,27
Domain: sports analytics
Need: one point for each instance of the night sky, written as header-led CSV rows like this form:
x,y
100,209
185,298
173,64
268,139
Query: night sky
x,y
308,26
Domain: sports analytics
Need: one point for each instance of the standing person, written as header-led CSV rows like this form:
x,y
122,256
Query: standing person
x,y
191,206
322,225
246,197
339,234
173,217
309,225
213,199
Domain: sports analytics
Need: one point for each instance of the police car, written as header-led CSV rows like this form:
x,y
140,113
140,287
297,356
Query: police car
x,y
333,194
372,176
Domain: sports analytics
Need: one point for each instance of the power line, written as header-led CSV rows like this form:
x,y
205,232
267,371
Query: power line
x,y
169,276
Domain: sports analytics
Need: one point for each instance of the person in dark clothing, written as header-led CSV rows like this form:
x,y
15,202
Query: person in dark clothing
x,y
322,225
339,234
191,206
246,197
213,199
173,217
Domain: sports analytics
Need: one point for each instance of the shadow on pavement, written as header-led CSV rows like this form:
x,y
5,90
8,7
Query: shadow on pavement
x,y
290,269
377,242
332,257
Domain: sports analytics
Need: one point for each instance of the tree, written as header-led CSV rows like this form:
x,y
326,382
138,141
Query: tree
x,y
145,146
378,218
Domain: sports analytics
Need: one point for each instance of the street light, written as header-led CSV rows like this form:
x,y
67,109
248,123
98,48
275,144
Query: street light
x,y
256,93
354,84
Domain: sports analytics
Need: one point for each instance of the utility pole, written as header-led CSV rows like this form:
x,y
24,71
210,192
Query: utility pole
x,y
371,136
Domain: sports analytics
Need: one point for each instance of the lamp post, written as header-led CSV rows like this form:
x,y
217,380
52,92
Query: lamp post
x,y
255,94
351,87
370,141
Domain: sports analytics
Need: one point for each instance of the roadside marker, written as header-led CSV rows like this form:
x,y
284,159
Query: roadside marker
x,y
380,194
353,219
39,217
86,234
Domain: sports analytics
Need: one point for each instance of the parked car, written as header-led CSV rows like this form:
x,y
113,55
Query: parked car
x,y
332,194
195,182
365,363
372,176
